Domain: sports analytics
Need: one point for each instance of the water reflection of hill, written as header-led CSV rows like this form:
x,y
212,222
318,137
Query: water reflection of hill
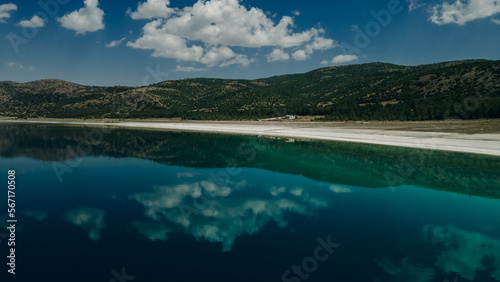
x,y
333,162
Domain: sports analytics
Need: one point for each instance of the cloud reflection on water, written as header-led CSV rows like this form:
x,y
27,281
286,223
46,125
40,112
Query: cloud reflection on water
x,y
90,219
225,215
407,271
466,252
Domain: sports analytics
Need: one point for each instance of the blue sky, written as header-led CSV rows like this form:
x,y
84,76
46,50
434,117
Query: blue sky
x,y
96,42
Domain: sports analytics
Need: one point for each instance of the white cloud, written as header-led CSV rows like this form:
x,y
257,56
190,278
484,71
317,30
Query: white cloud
x,y
217,55
165,44
297,13
497,21
238,60
35,22
90,219
300,55
5,10
324,62
187,69
19,66
278,55
462,12
86,19
341,59
226,22
172,46
319,43
413,4
114,43
207,31
152,9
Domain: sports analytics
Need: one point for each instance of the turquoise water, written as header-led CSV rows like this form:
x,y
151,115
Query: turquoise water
x,y
98,204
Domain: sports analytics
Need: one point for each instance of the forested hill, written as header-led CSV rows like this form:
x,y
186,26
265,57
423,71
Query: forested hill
x,y
375,91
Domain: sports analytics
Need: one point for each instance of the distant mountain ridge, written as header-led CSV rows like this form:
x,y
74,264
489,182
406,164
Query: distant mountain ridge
x,y
467,89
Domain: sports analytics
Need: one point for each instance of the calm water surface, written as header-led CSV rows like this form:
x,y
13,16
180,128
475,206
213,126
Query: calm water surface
x,y
97,204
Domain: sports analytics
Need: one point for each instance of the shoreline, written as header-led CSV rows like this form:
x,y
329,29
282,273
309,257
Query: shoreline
x,y
370,133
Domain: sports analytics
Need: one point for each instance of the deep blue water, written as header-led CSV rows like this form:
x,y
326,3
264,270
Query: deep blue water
x,y
163,206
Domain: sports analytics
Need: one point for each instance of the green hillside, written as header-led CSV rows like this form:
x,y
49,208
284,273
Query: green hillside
x,y
375,91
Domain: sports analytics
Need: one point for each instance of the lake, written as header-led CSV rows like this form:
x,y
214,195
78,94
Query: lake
x,y
108,204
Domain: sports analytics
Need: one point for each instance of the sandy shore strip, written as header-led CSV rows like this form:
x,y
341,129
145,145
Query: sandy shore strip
x,y
487,144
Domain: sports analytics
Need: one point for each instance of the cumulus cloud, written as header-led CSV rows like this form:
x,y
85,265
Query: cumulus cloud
x,y
462,12
151,9
297,13
35,22
114,43
90,219
341,59
319,43
207,32
165,44
5,10
278,55
86,19
300,55
238,60
465,252
222,217
226,22
223,56
413,4
497,21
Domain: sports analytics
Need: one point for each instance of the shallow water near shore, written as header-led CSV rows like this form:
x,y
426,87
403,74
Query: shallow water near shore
x,y
100,204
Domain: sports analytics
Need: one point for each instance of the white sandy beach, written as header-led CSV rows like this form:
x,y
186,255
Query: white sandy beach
x,y
488,144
